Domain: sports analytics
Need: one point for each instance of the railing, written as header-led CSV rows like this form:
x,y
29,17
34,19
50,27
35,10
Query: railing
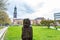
x,y
2,32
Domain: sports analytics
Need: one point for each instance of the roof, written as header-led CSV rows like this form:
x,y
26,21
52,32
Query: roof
x,y
18,19
39,18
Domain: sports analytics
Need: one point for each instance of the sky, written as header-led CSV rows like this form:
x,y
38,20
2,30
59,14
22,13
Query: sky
x,y
34,8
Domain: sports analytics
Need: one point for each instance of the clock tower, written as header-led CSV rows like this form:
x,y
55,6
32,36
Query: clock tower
x,y
14,14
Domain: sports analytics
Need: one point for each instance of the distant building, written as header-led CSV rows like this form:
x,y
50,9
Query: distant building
x,y
14,15
57,18
38,20
35,21
15,12
18,21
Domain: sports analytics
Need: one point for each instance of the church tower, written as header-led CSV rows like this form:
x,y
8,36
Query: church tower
x,y
15,12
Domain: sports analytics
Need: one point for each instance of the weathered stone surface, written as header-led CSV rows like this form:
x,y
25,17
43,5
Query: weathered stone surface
x,y
27,33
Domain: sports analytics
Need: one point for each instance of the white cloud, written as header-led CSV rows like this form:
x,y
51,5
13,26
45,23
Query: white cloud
x,y
46,11
44,8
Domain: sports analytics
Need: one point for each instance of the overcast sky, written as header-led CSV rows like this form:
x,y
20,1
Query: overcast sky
x,y
34,8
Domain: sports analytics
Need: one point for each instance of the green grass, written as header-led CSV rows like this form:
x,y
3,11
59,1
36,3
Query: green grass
x,y
13,33
45,34
39,33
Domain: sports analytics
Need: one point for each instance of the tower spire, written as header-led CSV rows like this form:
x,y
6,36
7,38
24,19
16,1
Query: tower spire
x,y
15,12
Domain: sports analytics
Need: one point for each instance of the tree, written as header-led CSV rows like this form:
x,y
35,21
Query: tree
x,y
4,18
43,22
3,4
46,22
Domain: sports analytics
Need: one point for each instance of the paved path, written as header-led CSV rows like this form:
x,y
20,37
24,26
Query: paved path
x,y
54,28
2,31
58,29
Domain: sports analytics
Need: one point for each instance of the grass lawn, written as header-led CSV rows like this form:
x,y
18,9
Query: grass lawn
x,y
13,33
39,33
